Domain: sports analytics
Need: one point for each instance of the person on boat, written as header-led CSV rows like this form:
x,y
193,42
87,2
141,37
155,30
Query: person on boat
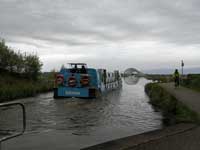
x,y
75,69
176,78
83,70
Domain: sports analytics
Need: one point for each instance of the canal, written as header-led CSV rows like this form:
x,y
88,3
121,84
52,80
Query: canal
x,y
77,123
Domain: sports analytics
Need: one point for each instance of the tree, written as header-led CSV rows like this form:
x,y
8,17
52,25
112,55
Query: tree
x,y
4,53
28,65
32,66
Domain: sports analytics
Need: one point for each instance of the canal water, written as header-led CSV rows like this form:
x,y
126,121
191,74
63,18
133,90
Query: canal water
x,y
77,123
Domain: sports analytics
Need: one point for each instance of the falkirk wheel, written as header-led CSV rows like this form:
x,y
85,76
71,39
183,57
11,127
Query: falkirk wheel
x,y
131,76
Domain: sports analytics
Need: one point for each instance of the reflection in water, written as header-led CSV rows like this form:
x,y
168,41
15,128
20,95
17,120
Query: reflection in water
x,y
131,80
119,113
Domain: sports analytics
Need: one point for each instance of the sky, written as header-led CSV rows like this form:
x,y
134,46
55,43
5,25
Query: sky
x,y
112,34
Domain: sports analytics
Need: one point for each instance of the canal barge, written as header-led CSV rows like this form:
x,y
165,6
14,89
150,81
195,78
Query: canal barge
x,y
82,82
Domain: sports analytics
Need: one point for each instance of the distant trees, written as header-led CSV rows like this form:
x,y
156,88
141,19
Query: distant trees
x,y
28,66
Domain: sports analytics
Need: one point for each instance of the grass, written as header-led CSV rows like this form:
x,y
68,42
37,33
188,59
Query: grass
x,y
173,110
192,81
14,87
160,77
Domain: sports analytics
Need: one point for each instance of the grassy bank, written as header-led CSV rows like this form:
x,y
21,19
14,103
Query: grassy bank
x,y
192,81
173,110
20,74
160,77
12,87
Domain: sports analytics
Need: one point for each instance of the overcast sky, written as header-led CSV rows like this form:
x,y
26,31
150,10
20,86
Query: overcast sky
x,y
144,34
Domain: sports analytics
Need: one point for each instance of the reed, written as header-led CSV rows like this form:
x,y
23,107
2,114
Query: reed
x,y
13,88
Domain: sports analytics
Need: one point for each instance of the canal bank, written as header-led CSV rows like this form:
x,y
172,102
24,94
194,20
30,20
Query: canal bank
x,y
15,87
175,110
182,136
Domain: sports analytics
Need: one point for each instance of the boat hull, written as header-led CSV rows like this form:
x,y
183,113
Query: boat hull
x,y
68,92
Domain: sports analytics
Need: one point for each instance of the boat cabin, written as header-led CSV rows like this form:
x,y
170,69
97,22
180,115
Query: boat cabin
x,y
78,68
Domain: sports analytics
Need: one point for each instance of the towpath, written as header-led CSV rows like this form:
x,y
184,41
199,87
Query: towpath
x,y
181,136
187,96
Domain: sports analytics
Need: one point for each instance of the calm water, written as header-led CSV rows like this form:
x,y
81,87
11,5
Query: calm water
x,y
76,123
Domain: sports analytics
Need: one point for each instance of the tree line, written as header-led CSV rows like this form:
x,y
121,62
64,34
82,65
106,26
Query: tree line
x,y
24,65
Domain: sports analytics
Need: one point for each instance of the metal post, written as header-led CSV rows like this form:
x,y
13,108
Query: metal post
x,y
24,121
182,65
182,70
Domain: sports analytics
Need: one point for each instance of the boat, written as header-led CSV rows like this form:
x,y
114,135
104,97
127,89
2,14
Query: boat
x,y
82,82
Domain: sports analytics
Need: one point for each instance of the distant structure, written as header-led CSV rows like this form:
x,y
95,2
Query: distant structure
x,y
131,76
133,72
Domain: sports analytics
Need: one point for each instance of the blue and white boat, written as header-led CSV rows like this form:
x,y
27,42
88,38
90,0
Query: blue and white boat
x,y
82,82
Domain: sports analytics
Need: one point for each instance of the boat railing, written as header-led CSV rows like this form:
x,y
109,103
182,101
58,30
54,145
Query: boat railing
x,y
22,107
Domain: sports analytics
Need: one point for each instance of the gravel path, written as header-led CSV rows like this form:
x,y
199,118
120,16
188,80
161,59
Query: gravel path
x,y
187,96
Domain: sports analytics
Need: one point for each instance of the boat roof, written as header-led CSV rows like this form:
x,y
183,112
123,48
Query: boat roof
x,y
77,64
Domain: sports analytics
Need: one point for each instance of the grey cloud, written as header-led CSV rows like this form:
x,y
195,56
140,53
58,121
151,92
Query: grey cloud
x,y
94,25
117,20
